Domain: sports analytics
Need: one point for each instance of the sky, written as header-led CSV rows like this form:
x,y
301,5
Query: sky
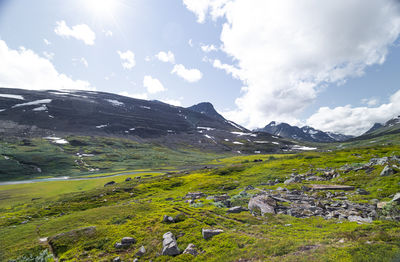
x,y
333,64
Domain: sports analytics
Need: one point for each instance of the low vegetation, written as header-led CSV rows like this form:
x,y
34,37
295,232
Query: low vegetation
x,y
32,216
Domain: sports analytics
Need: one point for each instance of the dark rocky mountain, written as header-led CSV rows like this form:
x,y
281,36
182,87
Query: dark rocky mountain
x,y
390,127
306,133
374,127
59,113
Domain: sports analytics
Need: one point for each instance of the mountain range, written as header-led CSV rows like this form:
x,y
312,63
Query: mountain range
x,y
88,113
305,133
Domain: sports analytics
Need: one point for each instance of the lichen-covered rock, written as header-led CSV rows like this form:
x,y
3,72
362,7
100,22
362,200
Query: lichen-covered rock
x,y
262,203
236,209
170,246
141,251
191,249
387,171
209,233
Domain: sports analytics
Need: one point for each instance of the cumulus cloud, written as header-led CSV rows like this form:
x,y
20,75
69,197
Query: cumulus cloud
x,y
208,48
47,42
137,95
370,101
173,102
108,33
81,32
48,55
354,120
166,57
153,85
190,75
285,51
23,68
202,7
229,69
128,59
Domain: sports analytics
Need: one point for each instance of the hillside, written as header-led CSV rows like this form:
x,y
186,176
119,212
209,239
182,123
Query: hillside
x,y
334,206
392,126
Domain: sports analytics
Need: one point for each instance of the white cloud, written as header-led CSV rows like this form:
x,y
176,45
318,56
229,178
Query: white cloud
x,y
287,50
153,85
208,48
47,42
354,120
190,75
48,55
190,42
370,101
173,102
137,96
128,59
230,69
202,7
166,57
81,60
23,68
81,32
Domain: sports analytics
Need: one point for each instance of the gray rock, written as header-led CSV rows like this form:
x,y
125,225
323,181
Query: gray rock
x,y
141,251
359,219
117,259
263,203
295,179
128,241
170,246
109,183
168,219
387,171
118,245
135,260
361,191
396,198
379,161
191,249
236,209
209,233
128,179
195,195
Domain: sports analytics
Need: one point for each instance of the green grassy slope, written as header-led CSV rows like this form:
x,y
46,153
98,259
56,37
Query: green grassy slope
x,y
136,208
34,158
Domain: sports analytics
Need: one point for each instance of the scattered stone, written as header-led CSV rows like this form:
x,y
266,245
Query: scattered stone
x,y
257,160
236,209
25,222
387,171
249,187
209,233
138,177
135,260
263,203
168,219
128,179
170,246
359,219
378,161
125,242
195,195
331,187
141,251
396,198
361,191
191,249
109,183
117,259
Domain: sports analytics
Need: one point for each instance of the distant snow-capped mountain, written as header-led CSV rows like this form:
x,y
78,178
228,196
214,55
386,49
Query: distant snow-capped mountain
x,y
305,133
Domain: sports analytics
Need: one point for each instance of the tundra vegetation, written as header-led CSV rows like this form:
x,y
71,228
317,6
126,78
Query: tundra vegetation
x,y
202,213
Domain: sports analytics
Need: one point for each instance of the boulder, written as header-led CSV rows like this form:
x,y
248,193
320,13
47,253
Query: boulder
x,y
170,246
263,203
117,259
359,219
331,187
396,198
295,179
141,251
387,171
191,249
109,183
361,191
209,233
128,241
195,195
236,209
168,219
128,179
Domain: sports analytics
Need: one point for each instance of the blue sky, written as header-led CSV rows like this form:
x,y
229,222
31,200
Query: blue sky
x,y
336,71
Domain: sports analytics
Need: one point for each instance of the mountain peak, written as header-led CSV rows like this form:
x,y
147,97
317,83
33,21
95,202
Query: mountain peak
x,y
207,109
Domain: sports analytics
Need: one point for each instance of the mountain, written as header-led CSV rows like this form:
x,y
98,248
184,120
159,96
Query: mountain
x,y
306,133
390,127
27,113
